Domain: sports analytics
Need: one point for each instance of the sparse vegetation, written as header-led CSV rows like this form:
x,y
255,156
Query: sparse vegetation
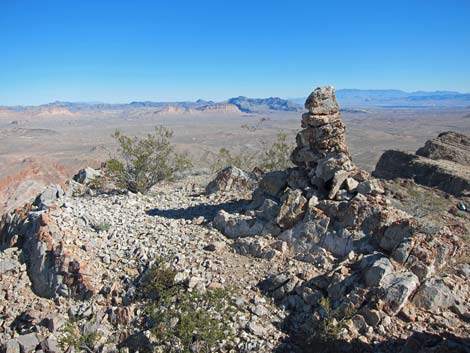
x,y
73,338
277,156
327,330
147,161
186,321
268,157
102,227
243,160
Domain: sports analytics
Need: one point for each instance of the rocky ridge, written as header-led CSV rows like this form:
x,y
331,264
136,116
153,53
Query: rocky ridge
x,y
443,163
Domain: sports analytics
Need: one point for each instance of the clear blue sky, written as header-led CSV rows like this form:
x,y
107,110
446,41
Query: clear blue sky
x,y
119,51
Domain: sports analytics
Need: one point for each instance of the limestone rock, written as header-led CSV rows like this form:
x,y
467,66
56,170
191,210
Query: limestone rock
x,y
328,166
50,196
298,179
376,267
338,180
28,342
269,210
446,175
11,346
396,289
232,179
237,226
450,146
371,186
433,295
292,208
274,183
322,101
86,175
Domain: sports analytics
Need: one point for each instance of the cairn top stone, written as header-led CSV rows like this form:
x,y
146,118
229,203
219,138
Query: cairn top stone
x,y
322,101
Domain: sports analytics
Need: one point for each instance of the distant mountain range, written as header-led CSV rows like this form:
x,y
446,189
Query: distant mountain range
x,y
396,98
232,105
347,98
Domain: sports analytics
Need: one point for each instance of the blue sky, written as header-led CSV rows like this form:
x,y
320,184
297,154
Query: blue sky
x,y
120,51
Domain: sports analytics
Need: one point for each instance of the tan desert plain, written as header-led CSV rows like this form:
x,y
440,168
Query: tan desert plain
x,y
43,145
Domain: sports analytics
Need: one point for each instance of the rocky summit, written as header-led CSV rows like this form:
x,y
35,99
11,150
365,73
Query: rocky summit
x,y
319,257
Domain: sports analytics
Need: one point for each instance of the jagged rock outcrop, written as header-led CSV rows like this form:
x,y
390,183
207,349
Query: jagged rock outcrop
x,y
54,263
450,146
443,163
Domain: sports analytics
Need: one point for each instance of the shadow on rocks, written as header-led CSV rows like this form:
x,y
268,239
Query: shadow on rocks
x,y
207,211
417,342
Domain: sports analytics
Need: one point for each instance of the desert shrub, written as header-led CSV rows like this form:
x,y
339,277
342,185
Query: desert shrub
x,y
268,157
73,338
101,227
326,331
277,156
183,320
147,161
244,160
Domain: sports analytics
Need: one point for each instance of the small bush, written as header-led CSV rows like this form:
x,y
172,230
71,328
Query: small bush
x,y
225,158
326,331
74,339
145,162
101,227
273,157
187,321
277,156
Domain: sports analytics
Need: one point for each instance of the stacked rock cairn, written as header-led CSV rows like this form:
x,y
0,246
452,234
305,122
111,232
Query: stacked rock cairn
x,y
321,148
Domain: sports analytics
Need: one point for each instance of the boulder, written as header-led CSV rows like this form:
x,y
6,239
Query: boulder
x,y
50,196
339,242
372,186
273,183
268,211
322,101
396,289
86,175
292,208
11,346
375,268
232,179
338,180
236,226
52,264
298,179
396,233
28,342
433,295
328,166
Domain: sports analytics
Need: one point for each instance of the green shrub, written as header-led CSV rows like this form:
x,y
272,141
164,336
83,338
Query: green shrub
x,y
225,158
74,339
326,331
277,156
145,162
273,157
101,227
185,319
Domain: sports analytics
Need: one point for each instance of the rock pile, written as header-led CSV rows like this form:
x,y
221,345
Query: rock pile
x,y
321,148
327,211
